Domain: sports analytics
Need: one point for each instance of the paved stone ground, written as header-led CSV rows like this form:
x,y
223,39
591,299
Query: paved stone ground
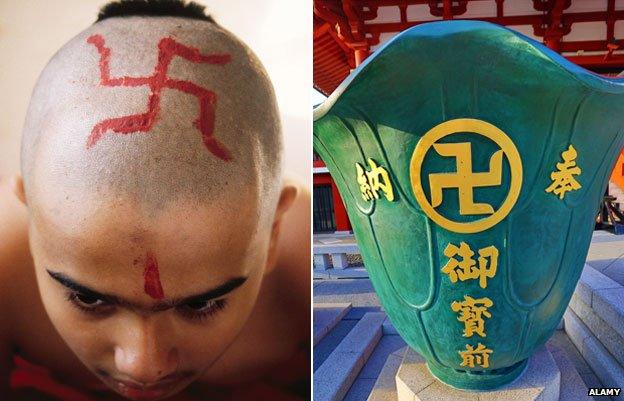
x,y
359,292
606,254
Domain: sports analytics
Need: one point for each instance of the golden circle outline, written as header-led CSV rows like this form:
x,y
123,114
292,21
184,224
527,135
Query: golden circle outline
x,y
479,127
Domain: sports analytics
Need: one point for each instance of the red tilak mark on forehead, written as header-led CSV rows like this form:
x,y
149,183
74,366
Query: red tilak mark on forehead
x,y
153,288
167,49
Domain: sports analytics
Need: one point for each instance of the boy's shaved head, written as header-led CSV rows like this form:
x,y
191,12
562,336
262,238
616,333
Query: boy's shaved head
x,y
154,110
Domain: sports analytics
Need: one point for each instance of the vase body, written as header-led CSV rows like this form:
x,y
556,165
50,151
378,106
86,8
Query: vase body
x,y
472,161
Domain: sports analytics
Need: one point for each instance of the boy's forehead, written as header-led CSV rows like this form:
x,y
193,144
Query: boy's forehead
x,y
194,246
118,224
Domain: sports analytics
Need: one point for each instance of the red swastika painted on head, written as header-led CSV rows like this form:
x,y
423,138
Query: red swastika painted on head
x,y
167,49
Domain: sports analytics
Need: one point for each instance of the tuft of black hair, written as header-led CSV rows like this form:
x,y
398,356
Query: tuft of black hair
x,y
154,8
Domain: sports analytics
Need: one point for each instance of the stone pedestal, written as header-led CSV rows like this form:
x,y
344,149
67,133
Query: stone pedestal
x,y
540,381
321,261
339,260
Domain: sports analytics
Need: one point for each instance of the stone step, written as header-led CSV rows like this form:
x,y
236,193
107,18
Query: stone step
x,y
335,376
608,337
326,316
605,366
592,282
363,384
385,385
572,387
323,349
599,303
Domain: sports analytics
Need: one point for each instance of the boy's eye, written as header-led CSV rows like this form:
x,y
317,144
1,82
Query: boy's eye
x,y
201,309
87,300
200,306
89,303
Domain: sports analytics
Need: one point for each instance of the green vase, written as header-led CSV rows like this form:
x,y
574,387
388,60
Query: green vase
x,y
472,161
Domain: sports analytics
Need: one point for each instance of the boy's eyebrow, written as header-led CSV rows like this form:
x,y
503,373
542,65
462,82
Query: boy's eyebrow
x,y
208,295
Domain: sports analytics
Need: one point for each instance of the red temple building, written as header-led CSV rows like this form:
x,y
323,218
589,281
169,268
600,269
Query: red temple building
x,y
589,33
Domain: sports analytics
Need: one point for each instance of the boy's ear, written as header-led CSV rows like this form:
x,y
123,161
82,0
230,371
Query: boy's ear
x,y
286,199
17,186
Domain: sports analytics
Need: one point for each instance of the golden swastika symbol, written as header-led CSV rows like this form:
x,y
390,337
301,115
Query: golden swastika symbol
x,y
464,178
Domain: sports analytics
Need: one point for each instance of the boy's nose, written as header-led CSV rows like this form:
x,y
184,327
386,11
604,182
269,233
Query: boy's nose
x,y
145,355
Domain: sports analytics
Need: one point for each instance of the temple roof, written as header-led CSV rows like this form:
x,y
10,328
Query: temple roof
x,y
588,33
